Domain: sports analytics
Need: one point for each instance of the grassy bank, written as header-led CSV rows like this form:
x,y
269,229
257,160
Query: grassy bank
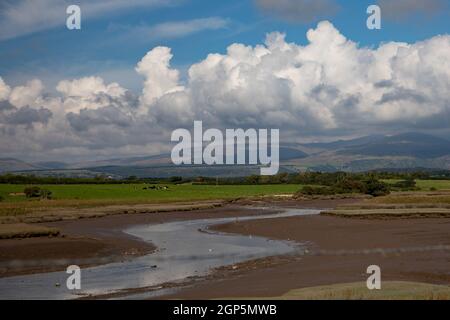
x,y
22,230
391,290
400,205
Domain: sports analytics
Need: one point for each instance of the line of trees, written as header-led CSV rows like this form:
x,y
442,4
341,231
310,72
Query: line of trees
x,y
32,179
306,178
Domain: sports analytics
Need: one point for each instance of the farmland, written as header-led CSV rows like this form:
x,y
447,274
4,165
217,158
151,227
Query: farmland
x,y
89,195
143,193
78,196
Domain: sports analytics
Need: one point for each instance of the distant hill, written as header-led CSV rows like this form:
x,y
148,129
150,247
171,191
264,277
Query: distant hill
x,y
417,145
51,165
286,153
11,164
339,144
132,161
291,153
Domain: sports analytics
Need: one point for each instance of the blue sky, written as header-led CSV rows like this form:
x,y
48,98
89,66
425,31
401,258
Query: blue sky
x,y
107,47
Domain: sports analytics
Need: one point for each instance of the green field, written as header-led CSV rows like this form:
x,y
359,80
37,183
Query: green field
x,y
97,195
136,192
426,185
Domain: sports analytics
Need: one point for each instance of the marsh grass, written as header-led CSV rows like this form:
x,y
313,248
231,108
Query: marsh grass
x,y
400,204
22,230
390,290
395,290
419,198
413,212
59,214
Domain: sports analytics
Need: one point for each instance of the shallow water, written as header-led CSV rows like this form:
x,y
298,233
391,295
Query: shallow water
x,y
185,250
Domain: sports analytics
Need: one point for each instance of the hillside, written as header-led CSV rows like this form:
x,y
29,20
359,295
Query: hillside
x,y
376,152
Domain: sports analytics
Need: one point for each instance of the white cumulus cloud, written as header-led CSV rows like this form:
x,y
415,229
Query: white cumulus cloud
x,y
21,96
4,90
160,79
329,84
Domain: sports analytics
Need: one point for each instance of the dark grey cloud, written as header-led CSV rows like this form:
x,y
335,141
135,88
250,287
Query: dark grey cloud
x,y
384,84
127,101
298,11
6,106
87,119
403,9
321,91
402,94
28,116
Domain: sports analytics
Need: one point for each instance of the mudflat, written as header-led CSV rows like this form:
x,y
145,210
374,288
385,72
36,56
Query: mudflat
x,y
339,251
94,241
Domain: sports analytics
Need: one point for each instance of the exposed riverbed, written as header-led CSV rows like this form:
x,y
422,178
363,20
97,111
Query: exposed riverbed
x,y
185,249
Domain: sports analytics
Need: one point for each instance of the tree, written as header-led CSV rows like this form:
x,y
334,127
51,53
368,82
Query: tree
x,y
175,179
376,188
32,192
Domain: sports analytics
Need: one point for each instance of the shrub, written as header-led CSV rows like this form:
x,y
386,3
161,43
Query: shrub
x,y
175,179
308,190
32,192
376,188
406,185
36,192
1,198
370,186
46,194
349,185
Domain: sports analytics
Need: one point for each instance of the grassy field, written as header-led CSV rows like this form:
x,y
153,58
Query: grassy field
x,y
85,196
95,195
136,192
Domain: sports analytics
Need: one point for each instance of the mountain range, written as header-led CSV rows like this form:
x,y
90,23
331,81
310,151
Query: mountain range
x,y
375,152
